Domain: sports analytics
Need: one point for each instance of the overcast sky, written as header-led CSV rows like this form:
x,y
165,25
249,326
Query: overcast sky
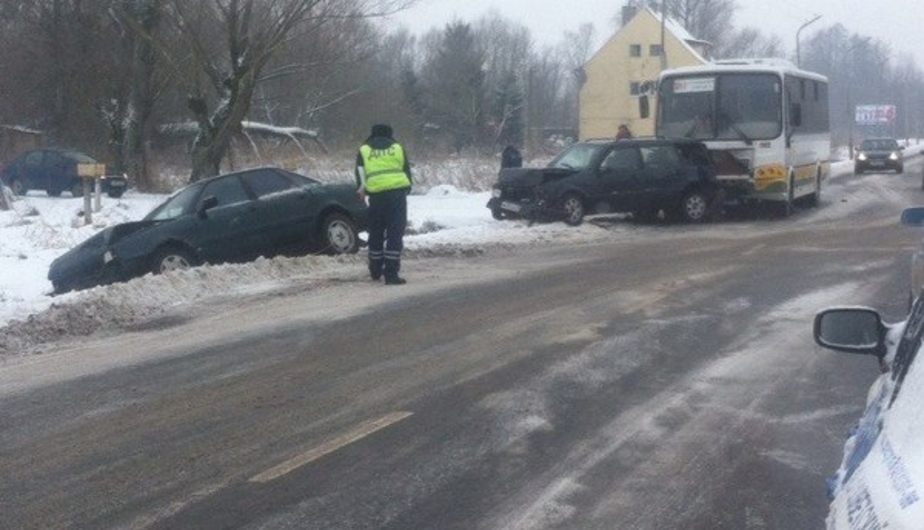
x,y
896,22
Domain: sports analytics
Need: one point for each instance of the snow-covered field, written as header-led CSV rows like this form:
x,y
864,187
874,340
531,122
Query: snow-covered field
x,y
444,221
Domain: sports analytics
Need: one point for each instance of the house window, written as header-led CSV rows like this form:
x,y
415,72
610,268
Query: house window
x,y
635,88
635,50
654,50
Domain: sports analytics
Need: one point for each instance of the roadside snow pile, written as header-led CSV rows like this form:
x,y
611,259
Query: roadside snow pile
x,y
444,222
124,305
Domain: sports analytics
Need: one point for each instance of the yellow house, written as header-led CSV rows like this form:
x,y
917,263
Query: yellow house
x,y
626,67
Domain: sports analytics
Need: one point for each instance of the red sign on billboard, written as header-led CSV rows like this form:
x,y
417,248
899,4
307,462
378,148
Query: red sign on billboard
x,y
875,114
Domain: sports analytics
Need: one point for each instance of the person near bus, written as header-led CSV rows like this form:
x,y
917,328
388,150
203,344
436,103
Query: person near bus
x,y
383,175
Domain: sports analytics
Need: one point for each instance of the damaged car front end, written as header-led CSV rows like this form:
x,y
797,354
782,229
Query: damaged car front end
x,y
647,178
521,193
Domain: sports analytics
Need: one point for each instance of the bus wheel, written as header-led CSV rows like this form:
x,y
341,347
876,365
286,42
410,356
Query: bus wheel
x,y
814,199
784,209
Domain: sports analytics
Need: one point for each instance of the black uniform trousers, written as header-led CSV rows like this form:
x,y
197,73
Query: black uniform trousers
x,y
387,221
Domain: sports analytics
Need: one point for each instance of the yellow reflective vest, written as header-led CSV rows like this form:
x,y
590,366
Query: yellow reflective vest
x,y
384,168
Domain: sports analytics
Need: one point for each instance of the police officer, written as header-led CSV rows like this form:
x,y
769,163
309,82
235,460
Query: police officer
x,y
384,175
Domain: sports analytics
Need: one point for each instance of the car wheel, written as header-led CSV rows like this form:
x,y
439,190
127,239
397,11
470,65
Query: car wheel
x,y
339,234
172,259
18,187
77,189
573,207
498,214
694,207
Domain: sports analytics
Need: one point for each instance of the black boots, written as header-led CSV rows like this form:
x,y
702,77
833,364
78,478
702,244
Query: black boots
x,y
388,268
375,269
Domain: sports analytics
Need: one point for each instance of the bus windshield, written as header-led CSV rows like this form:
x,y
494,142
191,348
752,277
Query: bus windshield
x,y
726,106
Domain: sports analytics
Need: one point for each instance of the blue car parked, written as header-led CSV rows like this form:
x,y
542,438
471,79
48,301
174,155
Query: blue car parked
x,y
55,171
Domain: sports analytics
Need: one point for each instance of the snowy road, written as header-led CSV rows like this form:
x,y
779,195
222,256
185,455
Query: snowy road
x,y
661,378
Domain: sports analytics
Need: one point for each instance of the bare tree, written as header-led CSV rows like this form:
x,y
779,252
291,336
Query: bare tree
x,y
507,48
708,20
547,86
576,48
224,79
129,115
59,67
454,81
749,42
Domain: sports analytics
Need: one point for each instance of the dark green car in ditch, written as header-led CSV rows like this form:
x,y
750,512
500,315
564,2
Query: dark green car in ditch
x,y
235,217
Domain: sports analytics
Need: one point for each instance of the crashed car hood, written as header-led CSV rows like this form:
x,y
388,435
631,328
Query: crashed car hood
x,y
525,176
124,229
101,240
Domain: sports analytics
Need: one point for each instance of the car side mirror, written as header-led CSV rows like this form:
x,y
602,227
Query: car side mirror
x,y
913,216
851,329
207,204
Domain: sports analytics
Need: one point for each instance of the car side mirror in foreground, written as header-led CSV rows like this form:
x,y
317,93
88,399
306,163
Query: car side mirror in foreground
x,y
851,329
913,216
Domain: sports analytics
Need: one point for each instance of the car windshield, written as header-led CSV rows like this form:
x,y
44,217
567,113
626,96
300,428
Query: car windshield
x,y
78,157
175,206
578,156
879,145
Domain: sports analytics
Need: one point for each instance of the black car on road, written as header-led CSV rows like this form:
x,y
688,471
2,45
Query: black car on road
x,y
645,177
54,171
879,154
234,217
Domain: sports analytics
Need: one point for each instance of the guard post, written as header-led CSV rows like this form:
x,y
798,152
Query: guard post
x,y
90,175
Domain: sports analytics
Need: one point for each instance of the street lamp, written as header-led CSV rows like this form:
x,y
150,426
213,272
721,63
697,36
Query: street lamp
x,y
798,54
851,117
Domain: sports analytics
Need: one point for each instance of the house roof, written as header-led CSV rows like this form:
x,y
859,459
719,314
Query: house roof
x,y
672,27
678,31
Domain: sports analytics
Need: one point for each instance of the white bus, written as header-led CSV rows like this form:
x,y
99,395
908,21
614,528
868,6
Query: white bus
x,y
765,121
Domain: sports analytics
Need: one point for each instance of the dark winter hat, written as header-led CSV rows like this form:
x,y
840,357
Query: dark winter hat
x,y
381,129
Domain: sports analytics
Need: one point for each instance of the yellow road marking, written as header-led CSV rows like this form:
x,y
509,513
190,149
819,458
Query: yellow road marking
x,y
356,434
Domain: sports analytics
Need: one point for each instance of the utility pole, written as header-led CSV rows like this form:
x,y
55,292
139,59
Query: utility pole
x,y
663,24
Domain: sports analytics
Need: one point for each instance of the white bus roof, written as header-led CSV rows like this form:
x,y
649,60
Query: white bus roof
x,y
772,64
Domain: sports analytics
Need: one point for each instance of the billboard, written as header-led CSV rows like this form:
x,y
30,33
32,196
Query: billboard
x,y
875,114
